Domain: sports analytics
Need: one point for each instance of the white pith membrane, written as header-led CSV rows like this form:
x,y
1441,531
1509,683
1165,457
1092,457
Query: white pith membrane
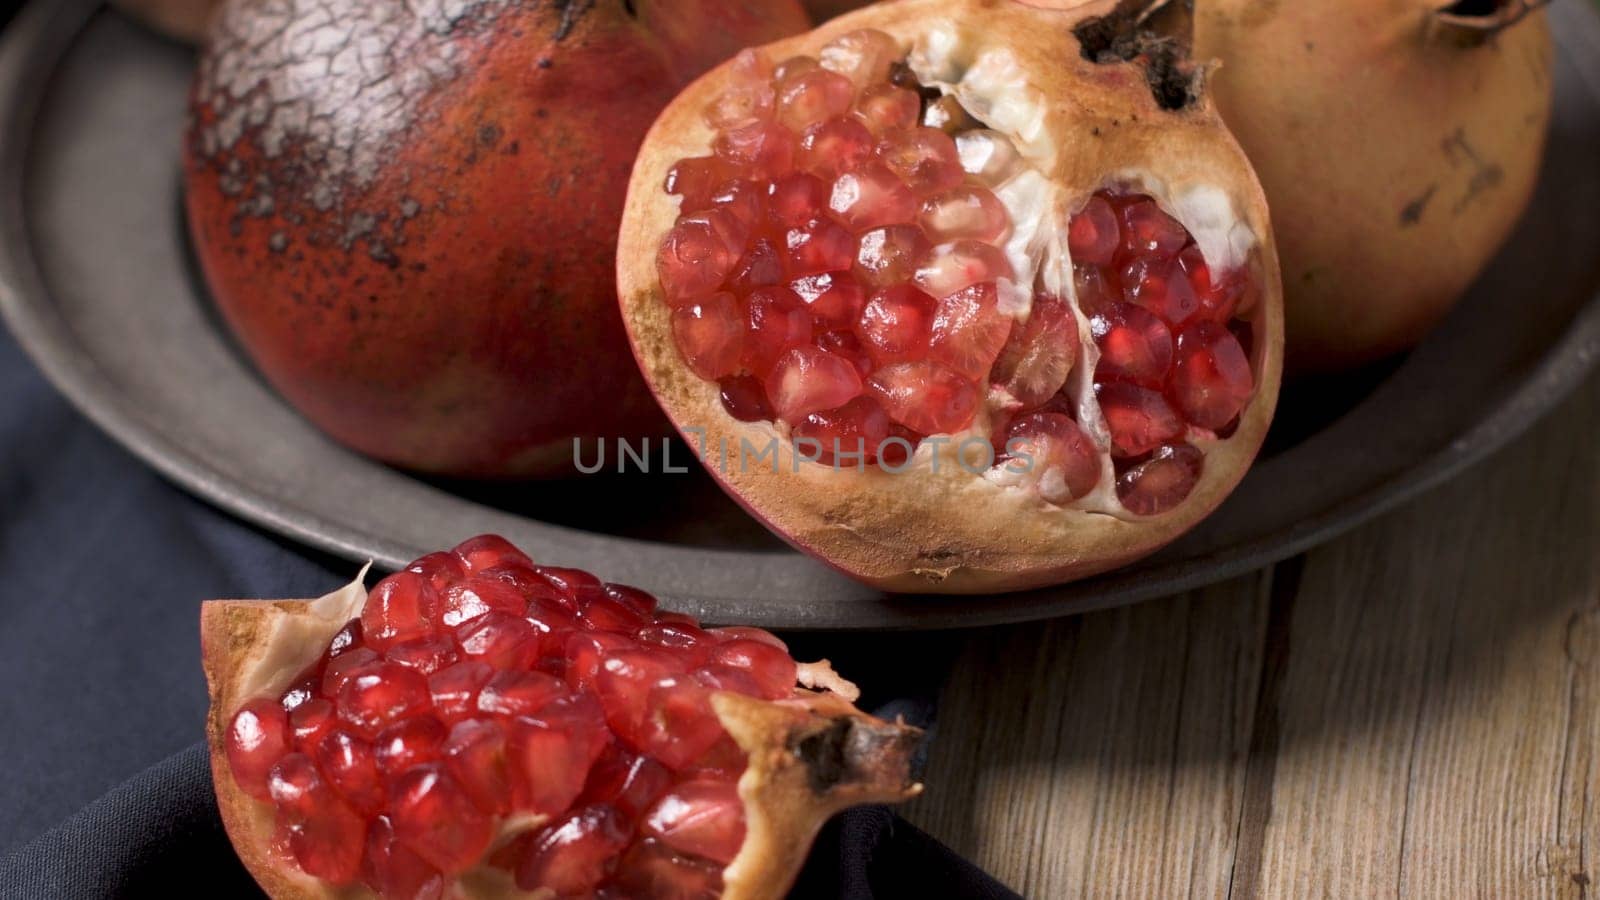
x,y
1006,149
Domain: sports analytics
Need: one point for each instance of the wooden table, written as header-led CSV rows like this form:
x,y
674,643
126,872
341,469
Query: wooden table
x,y
1412,709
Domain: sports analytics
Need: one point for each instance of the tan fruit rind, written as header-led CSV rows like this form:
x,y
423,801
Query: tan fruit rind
x,y
951,531
809,757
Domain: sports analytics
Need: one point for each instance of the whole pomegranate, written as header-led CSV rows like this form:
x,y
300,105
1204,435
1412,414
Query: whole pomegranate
x,y
481,726
958,295
1398,142
407,211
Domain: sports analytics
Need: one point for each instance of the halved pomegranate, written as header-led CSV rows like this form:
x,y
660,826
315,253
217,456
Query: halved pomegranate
x,y
996,299
479,725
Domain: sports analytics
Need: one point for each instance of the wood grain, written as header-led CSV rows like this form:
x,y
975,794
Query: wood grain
x,y
1411,710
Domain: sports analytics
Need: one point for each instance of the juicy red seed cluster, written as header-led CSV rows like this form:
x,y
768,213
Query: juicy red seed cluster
x,y
833,266
476,686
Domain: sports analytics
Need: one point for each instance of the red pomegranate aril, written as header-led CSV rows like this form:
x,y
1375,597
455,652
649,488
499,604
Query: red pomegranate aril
x,y
1140,420
575,584
375,697
796,198
710,335
1160,286
1219,299
850,434
489,551
572,856
871,196
806,380
841,144
764,150
818,245
310,722
587,652
885,109
969,331
1147,230
426,655
395,871
695,179
257,738
551,755
925,396
748,633
745,201
745,398
744,102
1162,482
1039,355
966,212
503,640
345,666
454,689
897,324
603,613
951,266
326,836
511,694
720,677
641,602
1093,235
889,255
468,600
1058,456
1096,292
409,743
623,681
698,253
700,817
812,97
776,321
399,608
761,265
673,635
351,768
434,817
833,297
1134,345
625,780
475,754
771,667
864,56
924,158
1211,380
441,568
847,345
652,869
681,726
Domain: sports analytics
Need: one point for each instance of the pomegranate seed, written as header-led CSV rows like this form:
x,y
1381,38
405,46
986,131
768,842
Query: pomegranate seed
x,y
623,682
352,769
1093,235
503,640
441,568
310,722
1134,345
796,198
806,380
847,345
853,432
605,613
752,65
1057,456
819,245
371,700
889,255
1139,419
399,608
587,653
762,149
345,666
1148,231
841,144
967,212
1039,355
833,297
897,324
427,655
257,738
574,584
681,726
409,743
625,780
475,754
925,396
639,601
572,856
793,67
924,158
1161,482
1218,300
698,253
771,667
745,398
969,331
743,103
776,321
748,633
454,689
488,551
694,180
326,836
700,817
674,635
468,600
760,266
1211,381
949,267
745,201
1160,286
872,196
551,754
395,870
433,817
812,97
513,694
1095,292
710,335
864,56
720,677
651,869
886,109
988,156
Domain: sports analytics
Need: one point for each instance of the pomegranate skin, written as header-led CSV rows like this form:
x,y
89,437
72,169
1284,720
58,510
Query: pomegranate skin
x,y
407,211
1397,145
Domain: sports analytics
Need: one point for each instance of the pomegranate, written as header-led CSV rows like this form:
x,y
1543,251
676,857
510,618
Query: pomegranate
x,y
407,211
480,725
1398,142
1024,319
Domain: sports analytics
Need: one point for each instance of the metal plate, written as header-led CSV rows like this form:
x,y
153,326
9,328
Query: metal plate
x,y
96,281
